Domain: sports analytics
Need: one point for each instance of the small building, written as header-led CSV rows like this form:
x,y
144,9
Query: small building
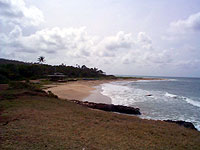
x,y
57,76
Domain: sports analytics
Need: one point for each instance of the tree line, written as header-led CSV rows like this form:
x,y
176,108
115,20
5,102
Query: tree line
x,y
22,71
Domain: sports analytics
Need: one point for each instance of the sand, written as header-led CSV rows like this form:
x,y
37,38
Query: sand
x,y
78,90
84,90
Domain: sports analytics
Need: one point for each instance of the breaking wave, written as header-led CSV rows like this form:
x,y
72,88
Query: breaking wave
x,y
188,100
154,103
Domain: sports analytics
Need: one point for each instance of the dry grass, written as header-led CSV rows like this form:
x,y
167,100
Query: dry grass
x,y
33,122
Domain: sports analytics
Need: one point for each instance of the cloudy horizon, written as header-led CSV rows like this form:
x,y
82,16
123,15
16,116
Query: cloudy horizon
x,y
152,38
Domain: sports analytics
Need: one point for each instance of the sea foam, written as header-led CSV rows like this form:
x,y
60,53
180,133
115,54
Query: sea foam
x,y
188,100
161,105
171,95
192,102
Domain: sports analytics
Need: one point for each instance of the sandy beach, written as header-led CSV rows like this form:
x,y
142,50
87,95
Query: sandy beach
x,y
78,90
84,90
43,121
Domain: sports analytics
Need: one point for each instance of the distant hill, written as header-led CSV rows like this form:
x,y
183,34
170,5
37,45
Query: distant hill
x,y
12,70
6,61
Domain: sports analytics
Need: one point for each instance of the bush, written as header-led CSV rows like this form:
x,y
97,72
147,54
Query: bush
x,y
3,79
52,95
23,85
7,96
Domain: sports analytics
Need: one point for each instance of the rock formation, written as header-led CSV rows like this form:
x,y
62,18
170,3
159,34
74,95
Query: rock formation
x,y
110,107
182,123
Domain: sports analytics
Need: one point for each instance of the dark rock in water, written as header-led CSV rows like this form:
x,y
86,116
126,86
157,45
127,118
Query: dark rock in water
x,y
110,107
149,95
182,123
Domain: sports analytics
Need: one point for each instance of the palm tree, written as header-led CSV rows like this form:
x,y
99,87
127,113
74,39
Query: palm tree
x,y
41,59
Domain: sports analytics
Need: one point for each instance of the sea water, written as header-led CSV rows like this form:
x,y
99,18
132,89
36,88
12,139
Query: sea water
x,y
173,98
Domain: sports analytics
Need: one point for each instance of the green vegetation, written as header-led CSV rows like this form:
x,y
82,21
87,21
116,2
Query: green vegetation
x,y
42,122
15,71
41,59
33,119
23,85
18,89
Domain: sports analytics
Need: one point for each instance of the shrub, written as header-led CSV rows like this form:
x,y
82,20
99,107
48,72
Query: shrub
x,y
23,85
3,79
52,95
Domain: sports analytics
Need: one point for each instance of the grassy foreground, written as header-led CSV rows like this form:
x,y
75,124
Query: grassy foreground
x,y
38,122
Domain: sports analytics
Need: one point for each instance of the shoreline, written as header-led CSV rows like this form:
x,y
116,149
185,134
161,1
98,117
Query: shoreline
x,y
44,122
76,90
97,97
85,89
41,120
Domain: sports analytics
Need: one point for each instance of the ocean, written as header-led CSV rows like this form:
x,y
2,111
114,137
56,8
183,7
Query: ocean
x,y
173,98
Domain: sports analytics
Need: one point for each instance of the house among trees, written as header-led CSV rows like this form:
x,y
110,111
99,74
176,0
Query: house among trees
x,y
57,76
11,70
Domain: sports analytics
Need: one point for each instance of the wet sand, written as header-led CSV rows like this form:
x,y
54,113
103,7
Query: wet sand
x,y
79,90
84,90
96,96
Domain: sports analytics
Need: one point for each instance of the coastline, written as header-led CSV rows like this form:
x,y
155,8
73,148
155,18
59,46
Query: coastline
x,y
42,120
91,91
96,96
76,90
85,89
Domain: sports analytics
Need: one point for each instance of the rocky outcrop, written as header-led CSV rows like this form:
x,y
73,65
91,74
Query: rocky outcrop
x,y
110,107
182,123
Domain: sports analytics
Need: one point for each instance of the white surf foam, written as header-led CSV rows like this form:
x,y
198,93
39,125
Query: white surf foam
x,y
171,80
188,100
192,102
118,93
122,94
171,95
156,80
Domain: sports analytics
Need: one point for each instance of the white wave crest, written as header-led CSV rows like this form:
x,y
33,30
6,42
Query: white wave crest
x,y
171,95
188,100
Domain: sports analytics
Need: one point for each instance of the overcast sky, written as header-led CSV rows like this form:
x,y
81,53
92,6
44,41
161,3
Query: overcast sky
x,y
126,37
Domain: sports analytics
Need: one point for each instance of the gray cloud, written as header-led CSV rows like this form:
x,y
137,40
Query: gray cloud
x,y
144,40
112,45
16,32
192,23
120,41
70,41
75,45
17,12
